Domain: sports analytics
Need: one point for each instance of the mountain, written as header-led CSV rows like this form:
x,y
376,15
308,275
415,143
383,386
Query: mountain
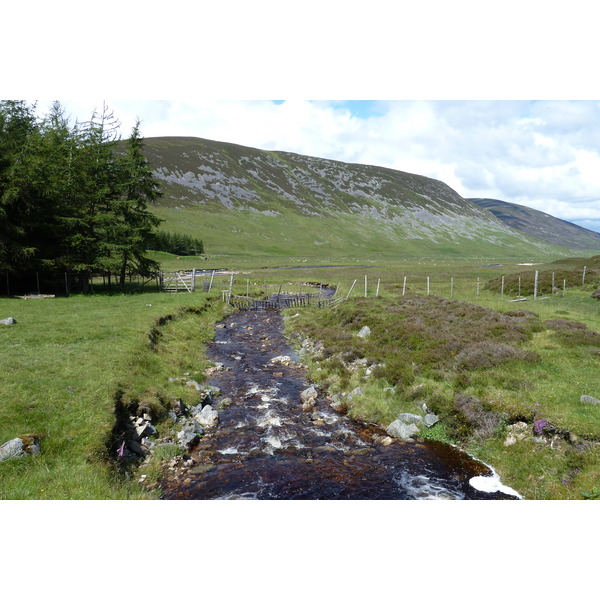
x,y
541,225
242,200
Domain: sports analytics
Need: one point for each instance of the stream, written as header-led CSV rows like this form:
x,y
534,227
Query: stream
x,y
266,447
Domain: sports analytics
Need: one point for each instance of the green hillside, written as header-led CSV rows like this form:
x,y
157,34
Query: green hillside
x,y
541,225
241,200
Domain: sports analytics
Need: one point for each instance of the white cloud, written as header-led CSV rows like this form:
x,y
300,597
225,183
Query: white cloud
x,y
542,154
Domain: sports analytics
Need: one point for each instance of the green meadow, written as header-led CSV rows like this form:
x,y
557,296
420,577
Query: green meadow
x,y
69,361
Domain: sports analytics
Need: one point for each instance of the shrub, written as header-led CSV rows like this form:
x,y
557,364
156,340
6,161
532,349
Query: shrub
x,y
491,354
573,333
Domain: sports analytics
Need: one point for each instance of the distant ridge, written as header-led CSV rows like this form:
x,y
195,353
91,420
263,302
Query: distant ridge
x,y
541,225
244,200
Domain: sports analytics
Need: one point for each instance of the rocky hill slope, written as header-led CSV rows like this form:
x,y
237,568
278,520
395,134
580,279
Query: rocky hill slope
x,y
541,225
239,199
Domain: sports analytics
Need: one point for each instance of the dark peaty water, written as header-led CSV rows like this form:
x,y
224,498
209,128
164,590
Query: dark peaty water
x,y
267,447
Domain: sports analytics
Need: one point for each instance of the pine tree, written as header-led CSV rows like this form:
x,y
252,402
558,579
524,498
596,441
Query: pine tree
x,y
134,224
18,127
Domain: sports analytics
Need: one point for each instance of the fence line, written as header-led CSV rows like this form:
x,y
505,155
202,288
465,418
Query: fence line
x,y
282,296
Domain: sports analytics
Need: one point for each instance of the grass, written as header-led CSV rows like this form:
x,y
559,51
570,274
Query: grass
x,y
64,364
481,363
67,361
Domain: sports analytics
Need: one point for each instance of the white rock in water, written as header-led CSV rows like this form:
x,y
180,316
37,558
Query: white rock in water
x,y
309,394
208,416
282,360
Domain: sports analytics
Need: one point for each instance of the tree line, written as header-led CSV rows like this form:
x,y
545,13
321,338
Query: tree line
x,y
74,198
176,243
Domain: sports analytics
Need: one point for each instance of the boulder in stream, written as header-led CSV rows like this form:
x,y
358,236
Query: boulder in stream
x,y
208,417
401,430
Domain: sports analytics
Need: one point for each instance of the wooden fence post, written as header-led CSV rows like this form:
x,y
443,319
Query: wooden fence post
x,y
365,286
535,285
477,294
350,290
428,285
377,292
404,286
502,288
451,287
583,277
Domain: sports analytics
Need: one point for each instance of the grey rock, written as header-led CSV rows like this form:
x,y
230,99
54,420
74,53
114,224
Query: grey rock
x,y
517,432
355,392
282,360
401,430
190,434
145,429
194,384
364,332
309,394
12,449
8,321
208,417
338,406
147,443
23,445
192,425
410,418
430,419
585,399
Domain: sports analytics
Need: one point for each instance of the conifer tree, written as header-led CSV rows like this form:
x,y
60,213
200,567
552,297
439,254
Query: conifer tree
x,y
134,224
17,128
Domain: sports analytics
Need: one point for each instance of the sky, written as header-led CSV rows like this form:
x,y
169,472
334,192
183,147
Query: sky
x,y
541,154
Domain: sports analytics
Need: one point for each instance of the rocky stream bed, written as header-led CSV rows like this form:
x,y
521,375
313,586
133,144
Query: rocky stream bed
x,y
269,435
